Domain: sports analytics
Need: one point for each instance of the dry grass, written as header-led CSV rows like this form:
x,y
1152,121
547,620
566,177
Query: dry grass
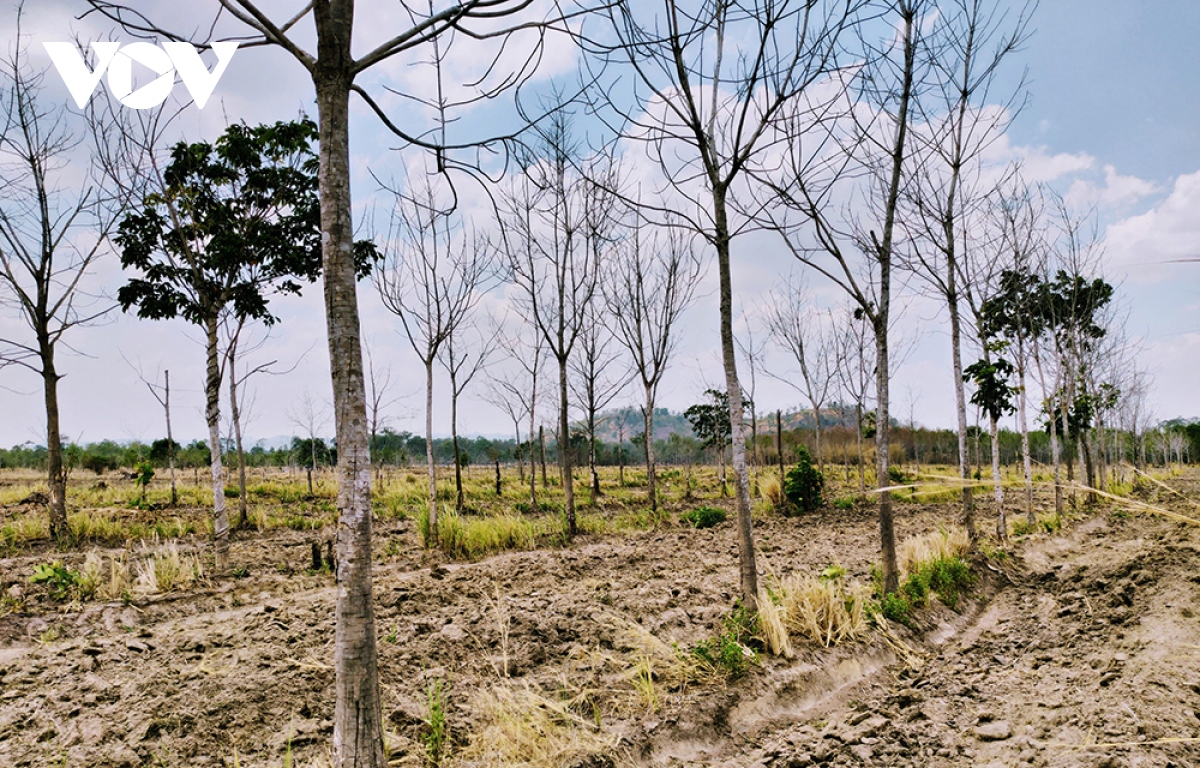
x,y
523,726
165,570
772,622
771,490
942,544
824,610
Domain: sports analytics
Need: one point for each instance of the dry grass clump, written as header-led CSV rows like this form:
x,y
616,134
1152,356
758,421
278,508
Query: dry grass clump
x,y
522,726
942,544
771,490
824,609
165,570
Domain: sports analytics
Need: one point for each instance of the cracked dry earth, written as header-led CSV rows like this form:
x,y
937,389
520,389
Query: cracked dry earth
x,y
1087,638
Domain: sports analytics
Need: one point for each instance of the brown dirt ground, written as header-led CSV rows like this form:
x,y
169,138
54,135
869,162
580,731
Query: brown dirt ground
x,y
1087,638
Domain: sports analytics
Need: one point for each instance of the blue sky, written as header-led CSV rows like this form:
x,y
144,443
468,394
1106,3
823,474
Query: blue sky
x,y
1113,119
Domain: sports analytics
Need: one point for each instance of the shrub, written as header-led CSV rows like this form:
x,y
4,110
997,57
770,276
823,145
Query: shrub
x,y
704,517
896,475
803,484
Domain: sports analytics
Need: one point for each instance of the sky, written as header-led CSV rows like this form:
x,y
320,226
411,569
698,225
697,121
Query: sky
x,y
1112,121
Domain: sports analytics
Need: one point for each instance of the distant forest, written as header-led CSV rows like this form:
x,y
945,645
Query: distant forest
x,y
1177,440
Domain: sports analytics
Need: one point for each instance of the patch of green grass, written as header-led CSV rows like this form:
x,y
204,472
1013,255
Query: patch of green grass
x,y
704,517
727,652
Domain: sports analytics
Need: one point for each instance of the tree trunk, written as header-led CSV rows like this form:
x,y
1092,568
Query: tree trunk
x,y
564,448
1056,456
651,470
56,473
779,444
542,447
862,457
960,404
520,457
431,467
621,457
170,438
721,474
358,720
212,412
459,502
748,569
595,476
1002,520
498,489
236,414
1026,459
887,534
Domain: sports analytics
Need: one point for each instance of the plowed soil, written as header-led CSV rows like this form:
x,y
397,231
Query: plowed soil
x,y
1081,649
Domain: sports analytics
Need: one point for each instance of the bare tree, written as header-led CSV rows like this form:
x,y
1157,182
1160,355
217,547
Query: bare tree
x,y
54,223
837,197
462,358
310,418
963,51
706,86
598,377
433,272
801,332
556,223
652,282
162,394
379,399
520,390
752,350
854,356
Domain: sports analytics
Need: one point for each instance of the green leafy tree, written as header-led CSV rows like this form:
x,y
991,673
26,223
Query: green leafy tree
x,y
803,485
230,224
710,422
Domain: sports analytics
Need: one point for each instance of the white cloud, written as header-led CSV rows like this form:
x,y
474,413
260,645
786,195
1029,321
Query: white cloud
x,y
1169,231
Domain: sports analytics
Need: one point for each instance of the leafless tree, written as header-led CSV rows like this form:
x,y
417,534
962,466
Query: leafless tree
x,y
598,376
707,82
464,355
752,350
434,270
519,390
837,198
854,357
310,418
963,52
162,394
803,333
56,213
379,386
557,224
651,283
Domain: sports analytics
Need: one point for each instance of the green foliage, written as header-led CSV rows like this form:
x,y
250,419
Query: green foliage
x,y
60,579
435,734
704,517
728,652
896,607
992,393
833,573
896,475
803,484
948,577
843,502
